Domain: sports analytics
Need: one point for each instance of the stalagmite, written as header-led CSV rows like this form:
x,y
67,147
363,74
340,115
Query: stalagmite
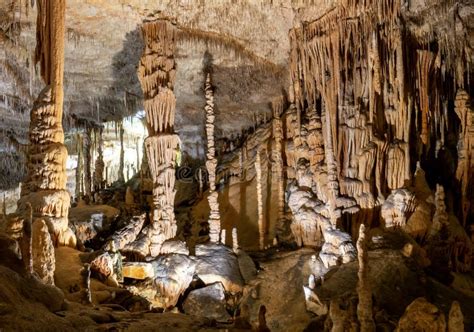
x,y
465,167
156,72
235,240
86,275
121,177
440,217
223,236
211,164
43,252
87,147
99,164
258,179
45,185
364,308
79,175
277,160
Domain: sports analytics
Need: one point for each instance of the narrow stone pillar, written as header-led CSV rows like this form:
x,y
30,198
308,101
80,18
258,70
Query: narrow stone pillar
x,y
87,146
120,177
79,167
45,184
99,164
211,164
277,160
157,72
261,225
364,308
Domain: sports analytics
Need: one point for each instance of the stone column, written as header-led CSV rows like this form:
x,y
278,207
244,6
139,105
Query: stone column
x,y
87,146
277,160
157,72
261,224
99,164
45,184
364,307
211,164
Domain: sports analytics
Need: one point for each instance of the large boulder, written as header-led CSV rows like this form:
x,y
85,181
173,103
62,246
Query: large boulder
x,y
172,275
217,263
88,221
208,302
421,315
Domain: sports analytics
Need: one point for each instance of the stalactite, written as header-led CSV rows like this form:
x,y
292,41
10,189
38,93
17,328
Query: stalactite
x,y
45,185
364,308
157,72
425,60
211,164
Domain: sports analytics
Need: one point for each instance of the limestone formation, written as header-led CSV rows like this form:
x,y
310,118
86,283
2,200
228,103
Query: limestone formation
x,y
464,171
87,153
421,315
42,252
156,72
99,183
455,318
207,302
45,185
211,164
261,221
364,308
172,276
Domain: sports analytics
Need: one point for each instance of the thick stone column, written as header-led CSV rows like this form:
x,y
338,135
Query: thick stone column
x,y
45,185
156,72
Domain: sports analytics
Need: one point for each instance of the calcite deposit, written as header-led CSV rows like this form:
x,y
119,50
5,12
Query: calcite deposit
x,y
282,165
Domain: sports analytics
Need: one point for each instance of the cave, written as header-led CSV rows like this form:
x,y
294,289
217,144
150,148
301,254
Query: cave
x,y
237,165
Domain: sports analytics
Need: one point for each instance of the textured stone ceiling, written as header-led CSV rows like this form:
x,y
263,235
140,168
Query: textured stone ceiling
x,y
247,41
248,44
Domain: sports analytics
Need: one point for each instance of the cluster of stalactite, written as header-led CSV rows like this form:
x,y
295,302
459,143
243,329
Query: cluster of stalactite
x,y
370,101
44,188
156,72
211,164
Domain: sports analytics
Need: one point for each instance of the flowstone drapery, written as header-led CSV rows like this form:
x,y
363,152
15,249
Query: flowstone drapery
x,y
156,72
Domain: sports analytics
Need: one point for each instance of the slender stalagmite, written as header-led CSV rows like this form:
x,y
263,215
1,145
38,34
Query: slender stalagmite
x,y
99,164
465,167
364,308
277,159
157,72
261,225
211,164
122,153
45,185
87,146
79,167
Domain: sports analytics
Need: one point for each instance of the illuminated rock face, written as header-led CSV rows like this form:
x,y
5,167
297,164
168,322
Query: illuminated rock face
x,y
156,72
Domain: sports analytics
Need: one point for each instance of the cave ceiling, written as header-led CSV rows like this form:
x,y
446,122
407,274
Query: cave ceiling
x,y
247,46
